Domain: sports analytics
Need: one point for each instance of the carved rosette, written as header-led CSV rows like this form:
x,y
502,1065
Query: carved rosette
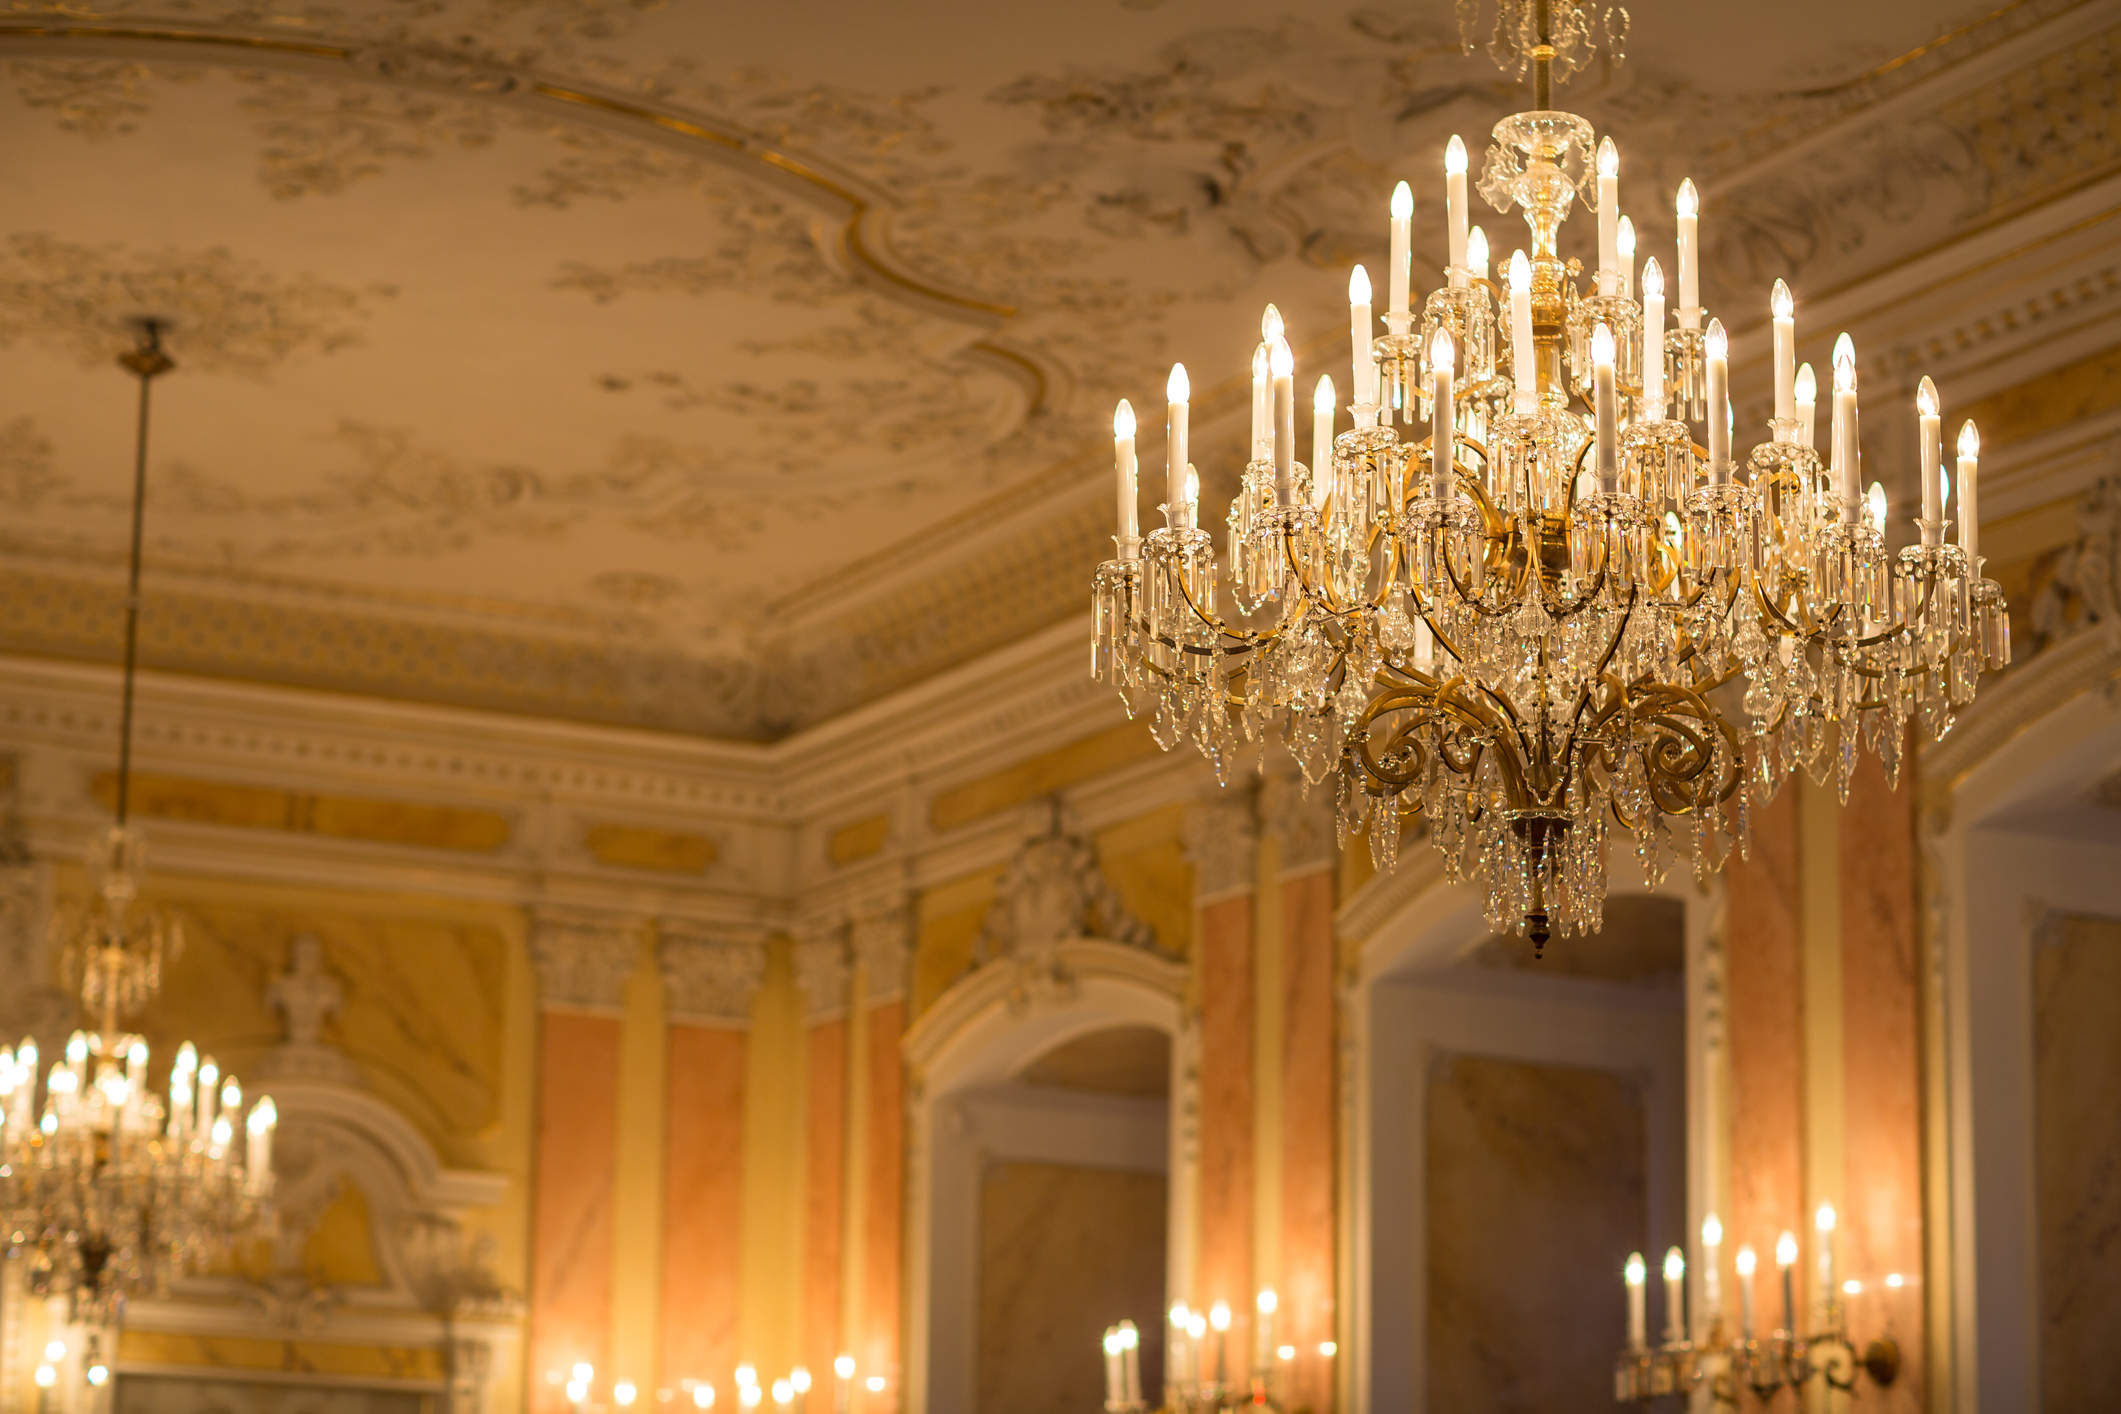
x,y
1222,843
707,978
584,960
1302,822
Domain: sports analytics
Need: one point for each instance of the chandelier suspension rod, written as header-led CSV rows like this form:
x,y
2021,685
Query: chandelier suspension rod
x,y
1542,58
145,362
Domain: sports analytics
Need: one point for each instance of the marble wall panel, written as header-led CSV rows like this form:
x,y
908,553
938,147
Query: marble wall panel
x,y
824,1173
1227,1091
1538,1188
577,1168
1881,1009
1308,1141
2077,1075
1065,1251
877,1349
1765,977
703,1206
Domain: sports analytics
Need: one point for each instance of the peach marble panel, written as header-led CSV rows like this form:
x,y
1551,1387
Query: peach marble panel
x,y
1065,1251
1538,1188
1226,1112
703,1204
1763,953
824,1171
877,1348
577,1165
1881,1009
1308,1110
2077,1075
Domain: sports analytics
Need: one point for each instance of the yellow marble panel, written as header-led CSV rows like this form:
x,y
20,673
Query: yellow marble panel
x,y
642,847
1042,775
341,1250
1145,859
2077,1050
338,817
309,1357
950,917
859,840
2072,393
1065,1251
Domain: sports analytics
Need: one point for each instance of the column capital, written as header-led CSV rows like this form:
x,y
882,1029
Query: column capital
x,y
1222,843
708,977
1302,821
584,958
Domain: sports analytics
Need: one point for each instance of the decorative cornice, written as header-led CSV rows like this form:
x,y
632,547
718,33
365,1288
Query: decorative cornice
x,y
708,978
1301,817
584,960
1222,841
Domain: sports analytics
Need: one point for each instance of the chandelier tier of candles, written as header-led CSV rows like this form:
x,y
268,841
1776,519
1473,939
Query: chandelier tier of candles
x,y
105,1190
1557,615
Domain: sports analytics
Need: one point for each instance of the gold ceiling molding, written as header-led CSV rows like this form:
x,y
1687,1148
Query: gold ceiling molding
x,y
343,817
421,69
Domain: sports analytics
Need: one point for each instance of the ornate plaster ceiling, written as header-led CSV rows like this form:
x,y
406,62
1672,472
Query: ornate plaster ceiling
x,y
720,367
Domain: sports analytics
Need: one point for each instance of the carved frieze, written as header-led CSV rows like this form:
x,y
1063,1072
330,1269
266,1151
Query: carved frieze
x,y
584,959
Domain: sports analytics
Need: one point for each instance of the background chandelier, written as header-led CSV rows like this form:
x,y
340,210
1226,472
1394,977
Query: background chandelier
x,y
104,1189
1557,615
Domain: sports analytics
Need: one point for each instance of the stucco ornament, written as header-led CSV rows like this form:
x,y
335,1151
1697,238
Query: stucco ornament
x,y
1053,892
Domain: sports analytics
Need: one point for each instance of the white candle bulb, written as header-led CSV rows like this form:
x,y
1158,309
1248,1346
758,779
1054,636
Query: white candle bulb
x,y
1281,363
1178,390
1688,207
1454,170
1652,340
1807,406
1785,1264
1824,1219
1876,506
1624,245
1477,253
1717,347
1605,407
1262,405
1270,326
1443,352
1361,329
1785,311
1123,464
1847,472
1636,1274
1402,248
1929,426
1746,1264
1674,1296
1711,1271
1219,1315
1525,373
1969,498
1322,403
1192,499
703,1396
1608,216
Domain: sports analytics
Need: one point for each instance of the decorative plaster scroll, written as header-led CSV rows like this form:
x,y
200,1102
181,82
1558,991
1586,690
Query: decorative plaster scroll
x,y
1052,893
2085,588
1301,817
584,959
1222,841
707,978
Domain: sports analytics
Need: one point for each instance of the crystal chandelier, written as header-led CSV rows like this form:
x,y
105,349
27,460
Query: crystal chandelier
x,y
1557,617
106,1190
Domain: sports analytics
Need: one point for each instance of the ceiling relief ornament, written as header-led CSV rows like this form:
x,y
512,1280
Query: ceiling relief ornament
x,y
226,314
1053,892
708,978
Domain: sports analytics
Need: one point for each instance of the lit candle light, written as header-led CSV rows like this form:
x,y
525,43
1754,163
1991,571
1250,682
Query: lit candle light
x,y
1262,405
1637,1274
1786,1262
1969,503
1175,1351
1402,249
1322,403
1282,364
1527,378
1477,253
1930,435
1652,341
1363,390
842,1384
1674,1296
1267,1303
1746,1262
1115,1377
1785,311
1605,409
1189,514
1823,1220
1130,1352
1807,406
1454,182
1177,434
1877,507
1688,207
257,1162
1718,349
1624,244
1608,217
1123,462
1442,352
1711,1271
1219,1318
1847,473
